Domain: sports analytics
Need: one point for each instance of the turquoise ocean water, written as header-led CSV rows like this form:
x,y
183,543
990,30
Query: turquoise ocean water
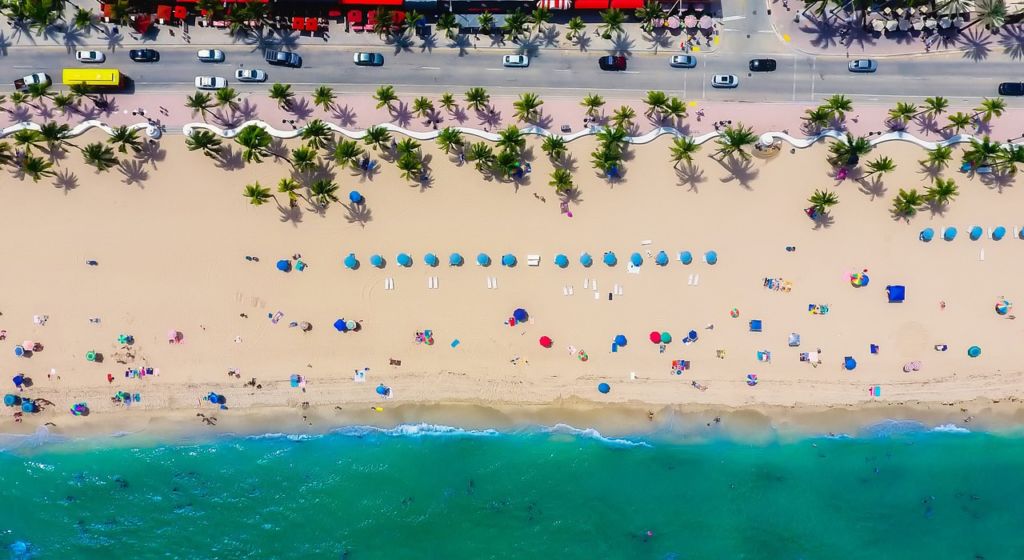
x,y
432,492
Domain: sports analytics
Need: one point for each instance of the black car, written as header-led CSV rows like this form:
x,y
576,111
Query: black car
x,y
612,62
283,58
1011,88
762,65
144,55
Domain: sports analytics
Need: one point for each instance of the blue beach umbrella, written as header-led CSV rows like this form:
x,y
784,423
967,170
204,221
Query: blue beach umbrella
x,y
11,400
610,259
340,325
949,233
661,259
18,380
19,351
382,389
520,315
849,363
998,233
431,259
711,257
604,388
294,380
284,265
404,259
927,234
1020,233
355,197
455,259
561,261
351,262
975,233
692,335
508,259
28,406
377,261
686,257
586,260
636,260
483,259
620,340
974,351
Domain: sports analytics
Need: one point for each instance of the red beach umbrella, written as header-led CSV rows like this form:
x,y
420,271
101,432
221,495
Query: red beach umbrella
x,y
546,341
655,337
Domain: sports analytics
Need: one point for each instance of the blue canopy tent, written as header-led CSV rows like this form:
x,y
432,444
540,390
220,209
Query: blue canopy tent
x,y
284,265
340,325
383,390
561,261
520,315
636,260
949,233
998,233
711,257
661,259
377,261
508,259
351,262
620,340
404,260
610,259
927,234
586,260
604,388
455,259
896,293
294,380
483,259
356,197
686,257
431,259
849,363
755,325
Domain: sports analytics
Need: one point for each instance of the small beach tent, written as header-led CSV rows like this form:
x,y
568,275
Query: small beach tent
x,y
896,293
455,259
974,351
431,259
351,262
546,341
284,265
604,388
636,260
927,234
998,233
19,351
755,325
620,340
661,259
340,325
483,259
355,197
586,260
949,233
686,257
655,337
404,260
520,315
751,379
975,233
377,261
610,259
849,363
561,261
711,257
508,259
383,390
1003,307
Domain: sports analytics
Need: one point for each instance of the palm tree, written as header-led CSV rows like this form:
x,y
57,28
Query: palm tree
x,y
990,107
407,146
954,7
527,107
124,138
422,106
650,11
317,134
323,97
733,139
554,147
289,187
227,97
506,163
902,113
449,138
576,25
38,91
674,108
655,101
448,101
204,140
511,138
410,165
477,98
938,158
612,20
515,25
383,20
682,149
55,135
257,194
958,121
28,139
485,22
200,102
1010,156
323,191
605,159
303,159
482,154
213,9
623,117
36,167
6,154
561,179
849,150
17,98
62,102
377,137
83,19
934,106
992,13
906,203
817,118
79,91
283,94
839,105
982,153
386,96
446,22
942,192
821,201
256,143
348,152
593,103
612,137
539,17
99,156
880,166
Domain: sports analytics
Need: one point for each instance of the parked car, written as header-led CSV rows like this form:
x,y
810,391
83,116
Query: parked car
x,y
283,58
682,61
368,59
1011,88
21,84
250,75
762,65
144,55
210,82
724,81
863,65
515,60
90,56
612,62
210,55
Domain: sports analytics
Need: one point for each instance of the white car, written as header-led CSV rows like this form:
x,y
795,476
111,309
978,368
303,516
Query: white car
x,y
210,82
724,81
682,61
515,60
90,56
250,75
210,55
863,65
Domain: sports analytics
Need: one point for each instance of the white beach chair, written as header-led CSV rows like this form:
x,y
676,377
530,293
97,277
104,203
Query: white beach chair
x,y
645,242
586,283
1016,232
696,279
533,260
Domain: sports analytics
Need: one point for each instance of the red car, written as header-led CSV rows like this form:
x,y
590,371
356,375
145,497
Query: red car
x,y
612,62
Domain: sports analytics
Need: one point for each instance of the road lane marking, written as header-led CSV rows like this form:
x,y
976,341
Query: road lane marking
x,y
430,68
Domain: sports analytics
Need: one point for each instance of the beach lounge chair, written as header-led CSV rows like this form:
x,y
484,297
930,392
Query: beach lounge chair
x,y
764,356
755,325
533,260
794,340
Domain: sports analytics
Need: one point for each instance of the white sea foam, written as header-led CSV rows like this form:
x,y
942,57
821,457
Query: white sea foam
x,y
413,430
951,429
591,433
41,436
280,435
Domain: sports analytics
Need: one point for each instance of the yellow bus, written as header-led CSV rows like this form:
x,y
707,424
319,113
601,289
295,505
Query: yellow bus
x,y
95,77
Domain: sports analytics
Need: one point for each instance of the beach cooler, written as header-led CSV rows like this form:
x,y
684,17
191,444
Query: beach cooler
x,y
755,325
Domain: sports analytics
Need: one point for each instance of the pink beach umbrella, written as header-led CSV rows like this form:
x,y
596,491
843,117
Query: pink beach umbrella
x,y
173,336
673,22
690,21
705,22
29,345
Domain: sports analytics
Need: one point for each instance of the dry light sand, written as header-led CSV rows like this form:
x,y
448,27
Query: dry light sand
x,y
170,249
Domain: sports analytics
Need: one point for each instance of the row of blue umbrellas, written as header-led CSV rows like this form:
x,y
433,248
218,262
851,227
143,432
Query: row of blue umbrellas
x,y
975,233
509,260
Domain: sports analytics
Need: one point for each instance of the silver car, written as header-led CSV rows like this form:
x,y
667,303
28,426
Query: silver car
x,y
515,60
863,65
682,61
210,55
250,75
724,81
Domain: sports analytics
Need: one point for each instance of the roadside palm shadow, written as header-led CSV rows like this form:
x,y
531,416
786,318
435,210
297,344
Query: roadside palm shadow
x,y
549,36
976,45
346,115
300,108
1012,40
931,171
113,40
226,118
401,114
358,214
461,42
823,34
740,169
863,39
5,43
489,118
72,39
690,176
529,46
65,180
151,153
459,114
658,40
542,120
583,42
401,42
247,110
429,43
622,45
134,172
928,124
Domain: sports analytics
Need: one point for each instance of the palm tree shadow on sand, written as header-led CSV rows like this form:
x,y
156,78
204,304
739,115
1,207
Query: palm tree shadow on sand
x,y
741,170
291,213
690,176
134,172
871,186
358,214
65,180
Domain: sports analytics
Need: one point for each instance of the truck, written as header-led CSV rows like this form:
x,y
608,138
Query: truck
x,y
22,84
282,58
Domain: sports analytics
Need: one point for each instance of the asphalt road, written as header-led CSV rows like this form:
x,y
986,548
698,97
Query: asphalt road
x,y
798,78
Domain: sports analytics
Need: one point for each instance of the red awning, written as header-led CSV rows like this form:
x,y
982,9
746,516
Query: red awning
x,y
355,16
555,4
373,2
397,17
142,23
627,4
180,12
163,12
312,24
106,10
591,4
297,23
333,13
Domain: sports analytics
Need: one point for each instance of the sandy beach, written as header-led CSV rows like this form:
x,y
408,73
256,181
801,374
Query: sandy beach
x,y
170,248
